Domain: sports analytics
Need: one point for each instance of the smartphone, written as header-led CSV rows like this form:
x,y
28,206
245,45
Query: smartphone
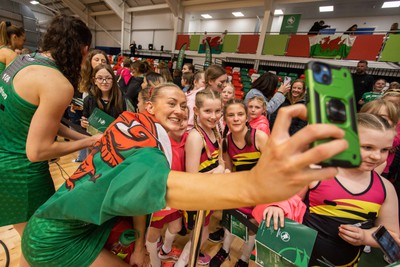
x,y
287,80
387,243
330,99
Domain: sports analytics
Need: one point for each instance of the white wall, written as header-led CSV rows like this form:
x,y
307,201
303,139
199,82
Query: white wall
x,y
232,25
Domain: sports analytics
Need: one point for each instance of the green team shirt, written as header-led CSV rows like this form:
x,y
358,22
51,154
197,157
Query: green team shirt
x,y
125,175
370,96
24,185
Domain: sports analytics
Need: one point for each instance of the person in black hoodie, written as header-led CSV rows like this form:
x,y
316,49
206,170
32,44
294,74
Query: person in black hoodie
x,y
318,25
138,69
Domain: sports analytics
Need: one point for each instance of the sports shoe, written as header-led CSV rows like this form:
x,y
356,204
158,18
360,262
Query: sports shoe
x,y
219,258
172,255
203,259
217,236
241,263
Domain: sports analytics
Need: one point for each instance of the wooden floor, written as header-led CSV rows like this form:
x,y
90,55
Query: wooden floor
x,y
12,240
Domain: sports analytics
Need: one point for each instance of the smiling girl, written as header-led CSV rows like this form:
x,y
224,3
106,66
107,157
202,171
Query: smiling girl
x,y
105,95
354,196
256,109
242,147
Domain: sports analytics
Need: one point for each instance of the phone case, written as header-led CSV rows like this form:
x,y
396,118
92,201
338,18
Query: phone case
x,y
334,103
387,243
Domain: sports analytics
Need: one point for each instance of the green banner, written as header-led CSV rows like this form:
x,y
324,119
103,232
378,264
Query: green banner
x,y
290,23
181,56
208,58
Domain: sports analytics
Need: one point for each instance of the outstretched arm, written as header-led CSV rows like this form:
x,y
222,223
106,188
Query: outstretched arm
x,y
282,171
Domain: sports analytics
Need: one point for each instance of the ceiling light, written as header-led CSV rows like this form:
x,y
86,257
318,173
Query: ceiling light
x,y
278,12
391,4
325,8
206,16
35,2
238,14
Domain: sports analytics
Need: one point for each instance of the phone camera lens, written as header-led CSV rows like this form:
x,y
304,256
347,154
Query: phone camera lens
x,y
317,68
336,111
325,78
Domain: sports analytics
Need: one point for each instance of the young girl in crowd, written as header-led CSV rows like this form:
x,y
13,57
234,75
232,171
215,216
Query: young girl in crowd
x,y
11,38
188,67
265,86
186,81
105,95
242,149
151,80
86,86
216,78
170,216
139,70
376,92
256,109
198,84
227,93
31,115
203,155
296,95
124,73
352,197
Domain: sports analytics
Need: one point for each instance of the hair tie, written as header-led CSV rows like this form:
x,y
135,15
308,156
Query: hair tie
x,y
151,91
8,23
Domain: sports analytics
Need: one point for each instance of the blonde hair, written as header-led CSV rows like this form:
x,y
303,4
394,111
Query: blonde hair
x,y
375,106
373,122
261,100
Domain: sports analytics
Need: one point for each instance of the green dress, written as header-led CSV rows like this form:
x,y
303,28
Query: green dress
x,y
24,185
125,175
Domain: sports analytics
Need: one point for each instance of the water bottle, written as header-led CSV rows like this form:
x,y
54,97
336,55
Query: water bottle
x,y
125,240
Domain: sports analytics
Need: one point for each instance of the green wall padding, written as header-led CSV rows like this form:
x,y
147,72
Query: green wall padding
x,y
230,43
391,50
275,44
194,42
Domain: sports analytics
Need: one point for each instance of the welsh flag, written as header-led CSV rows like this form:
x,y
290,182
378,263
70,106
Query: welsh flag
x,y
215,42
331,46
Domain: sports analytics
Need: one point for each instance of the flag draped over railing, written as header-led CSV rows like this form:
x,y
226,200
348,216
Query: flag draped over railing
x,y
331,46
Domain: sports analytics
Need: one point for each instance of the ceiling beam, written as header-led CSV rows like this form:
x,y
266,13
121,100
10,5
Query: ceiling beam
x,y
296,1
203,2
116,7
101,13
147,8
174,5
77,8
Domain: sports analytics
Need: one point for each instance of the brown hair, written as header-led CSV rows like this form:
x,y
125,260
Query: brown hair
x,y
116,99
196,78
7,30
213,72
247,137
301,97
86,83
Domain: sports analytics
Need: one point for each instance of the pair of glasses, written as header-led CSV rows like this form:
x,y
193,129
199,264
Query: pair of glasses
x,y
101,79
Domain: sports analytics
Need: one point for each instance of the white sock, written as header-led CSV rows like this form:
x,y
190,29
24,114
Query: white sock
x,y
184,257
248,248
153,254
168,240
228,238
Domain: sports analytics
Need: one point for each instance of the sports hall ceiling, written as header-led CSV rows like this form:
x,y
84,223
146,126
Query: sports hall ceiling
x,y
219,9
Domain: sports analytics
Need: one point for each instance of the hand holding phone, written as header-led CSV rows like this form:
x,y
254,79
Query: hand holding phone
x,y
330,99
387,243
